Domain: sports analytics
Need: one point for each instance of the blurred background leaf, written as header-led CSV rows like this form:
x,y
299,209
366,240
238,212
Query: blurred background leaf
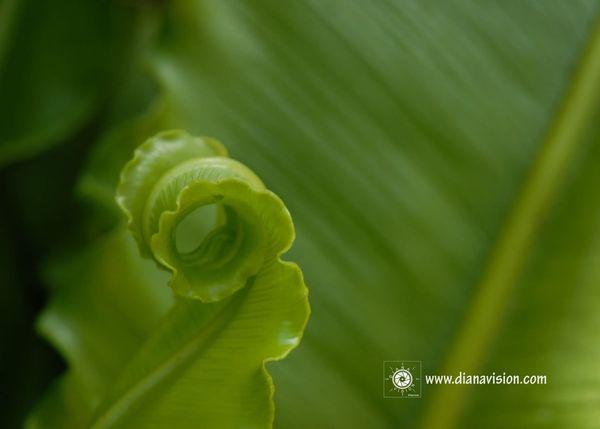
x,y
400,135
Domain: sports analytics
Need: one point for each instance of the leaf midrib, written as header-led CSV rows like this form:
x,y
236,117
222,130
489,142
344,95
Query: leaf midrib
x,y
482,319
134,394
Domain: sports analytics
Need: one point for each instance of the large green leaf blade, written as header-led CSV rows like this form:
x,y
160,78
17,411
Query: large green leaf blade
x,y
404,132
400,134
551,324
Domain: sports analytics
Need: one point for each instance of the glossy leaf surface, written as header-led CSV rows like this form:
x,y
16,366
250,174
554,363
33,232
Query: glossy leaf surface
x,y
237,304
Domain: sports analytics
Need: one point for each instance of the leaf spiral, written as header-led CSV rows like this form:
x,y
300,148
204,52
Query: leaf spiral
x,y
170,176
240,305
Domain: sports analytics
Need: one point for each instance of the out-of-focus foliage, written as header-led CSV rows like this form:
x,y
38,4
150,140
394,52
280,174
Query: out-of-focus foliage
x,y
57,61
410,141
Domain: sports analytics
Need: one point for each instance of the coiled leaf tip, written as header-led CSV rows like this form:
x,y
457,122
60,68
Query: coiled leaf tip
x,y
170,176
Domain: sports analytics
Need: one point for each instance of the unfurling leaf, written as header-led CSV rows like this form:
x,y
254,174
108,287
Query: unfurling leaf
x,y
237,304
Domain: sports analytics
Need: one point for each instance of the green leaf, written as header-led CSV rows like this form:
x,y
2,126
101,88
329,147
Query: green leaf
x,y
57,61
443,178
238,304
411,141
105,301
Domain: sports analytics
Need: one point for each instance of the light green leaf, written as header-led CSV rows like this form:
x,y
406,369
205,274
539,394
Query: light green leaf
x,y
106,300
238,304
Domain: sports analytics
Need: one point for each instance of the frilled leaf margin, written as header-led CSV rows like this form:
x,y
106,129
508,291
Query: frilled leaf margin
x,y
237,304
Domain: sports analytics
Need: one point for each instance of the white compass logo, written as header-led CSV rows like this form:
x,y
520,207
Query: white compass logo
x,y
402,379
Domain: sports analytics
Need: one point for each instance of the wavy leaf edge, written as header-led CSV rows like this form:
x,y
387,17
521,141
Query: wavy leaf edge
x,y
165,169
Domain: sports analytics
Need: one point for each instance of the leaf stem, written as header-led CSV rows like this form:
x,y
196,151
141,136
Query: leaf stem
x,y
483,317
